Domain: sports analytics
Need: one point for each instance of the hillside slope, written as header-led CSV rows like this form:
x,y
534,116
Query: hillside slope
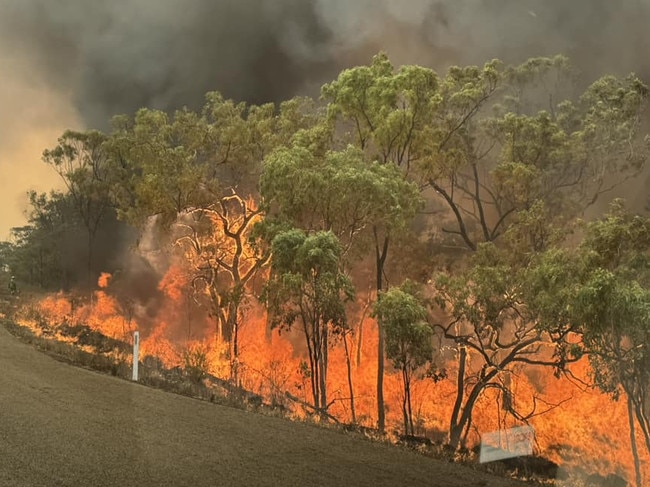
x,y
65,426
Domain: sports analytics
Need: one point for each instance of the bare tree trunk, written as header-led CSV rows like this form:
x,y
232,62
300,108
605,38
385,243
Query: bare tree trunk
x,y
313,364
360,330
408,402
314,382
349,367
40,268
454,431
642,418
635,453
460,430
234,356
231,335
381,412
323,368
90,258
188,309
217,311
359,344
218,334
380,255
405,416
231,317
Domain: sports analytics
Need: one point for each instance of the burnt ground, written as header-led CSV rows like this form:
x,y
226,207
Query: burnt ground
x,y
62,425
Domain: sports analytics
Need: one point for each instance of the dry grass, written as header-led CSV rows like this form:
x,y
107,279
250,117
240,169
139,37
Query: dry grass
x,y
111,357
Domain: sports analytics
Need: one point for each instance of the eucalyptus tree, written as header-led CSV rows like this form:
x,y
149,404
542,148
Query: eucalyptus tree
x,y
611,305
195,175
308,289
408,339
82,162
360,201
386,114
497,146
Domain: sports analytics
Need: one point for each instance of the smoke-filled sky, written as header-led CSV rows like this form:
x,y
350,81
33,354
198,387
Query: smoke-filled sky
x,y
75,63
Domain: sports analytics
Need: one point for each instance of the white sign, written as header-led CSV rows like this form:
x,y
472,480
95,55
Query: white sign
x,y
136,354
513,442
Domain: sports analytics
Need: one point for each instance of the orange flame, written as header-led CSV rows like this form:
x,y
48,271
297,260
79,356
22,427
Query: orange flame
x,y
582,428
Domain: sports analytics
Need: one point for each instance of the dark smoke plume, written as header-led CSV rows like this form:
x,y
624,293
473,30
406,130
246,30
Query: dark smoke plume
x,y
117,56
75,63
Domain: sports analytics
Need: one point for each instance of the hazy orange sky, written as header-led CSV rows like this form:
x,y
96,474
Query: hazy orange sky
x,y
32,116
75,64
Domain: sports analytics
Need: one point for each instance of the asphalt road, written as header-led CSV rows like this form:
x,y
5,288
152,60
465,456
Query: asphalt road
x,y
65,426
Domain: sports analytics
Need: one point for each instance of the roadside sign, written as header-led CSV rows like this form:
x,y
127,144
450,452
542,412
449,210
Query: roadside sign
x,y
510,443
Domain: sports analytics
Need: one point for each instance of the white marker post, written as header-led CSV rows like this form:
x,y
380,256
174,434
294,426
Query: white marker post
x,y
136,354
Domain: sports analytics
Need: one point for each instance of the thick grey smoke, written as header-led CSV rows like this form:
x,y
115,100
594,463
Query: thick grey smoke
x,y
75,63
120,55
599,35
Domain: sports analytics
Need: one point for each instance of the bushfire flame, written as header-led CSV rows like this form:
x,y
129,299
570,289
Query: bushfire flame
x,y
582,427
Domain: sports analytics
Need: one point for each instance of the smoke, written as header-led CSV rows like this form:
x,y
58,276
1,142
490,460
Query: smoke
x,y
32,116
118,56
115,57
599,35
74,63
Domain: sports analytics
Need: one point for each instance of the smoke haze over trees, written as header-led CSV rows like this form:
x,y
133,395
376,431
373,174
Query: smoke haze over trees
x,y
116,57
74,64
77,63
505,156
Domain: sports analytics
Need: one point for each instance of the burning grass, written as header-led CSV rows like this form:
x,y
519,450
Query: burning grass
x,y
94,333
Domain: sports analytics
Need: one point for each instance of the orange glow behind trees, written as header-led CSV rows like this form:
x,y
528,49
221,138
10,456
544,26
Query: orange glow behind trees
x,y
582,427
471,182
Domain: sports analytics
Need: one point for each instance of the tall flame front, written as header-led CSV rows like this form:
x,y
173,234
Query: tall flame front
x,y
580,428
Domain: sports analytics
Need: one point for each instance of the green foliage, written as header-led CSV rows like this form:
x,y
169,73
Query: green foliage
x,y
408,335
307,288
548,286
164,164
612,301
306,280
507,139
45,252
81,160
386,111
338,191
619,242
388,114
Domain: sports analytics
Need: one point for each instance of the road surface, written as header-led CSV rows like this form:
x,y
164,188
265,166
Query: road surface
x,y
65,426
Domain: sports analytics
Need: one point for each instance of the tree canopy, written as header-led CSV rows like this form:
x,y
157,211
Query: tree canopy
x,y
478,177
